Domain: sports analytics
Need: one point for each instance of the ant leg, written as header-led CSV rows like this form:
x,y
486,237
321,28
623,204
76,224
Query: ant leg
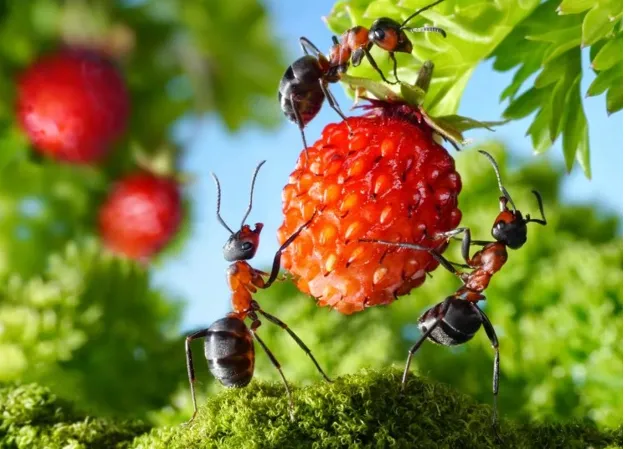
x,y
441,314
275,363
307,45
300,124
333,103
275,268
392,56
540,207
444,262
494,341
466,241
282,324
375,66
190,370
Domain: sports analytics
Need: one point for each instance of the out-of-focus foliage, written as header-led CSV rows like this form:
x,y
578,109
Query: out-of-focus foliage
x,y
528,34
556,305
92,329
72,318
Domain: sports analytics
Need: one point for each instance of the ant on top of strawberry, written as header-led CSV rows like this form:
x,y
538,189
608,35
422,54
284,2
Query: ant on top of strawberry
x,y
386,33
304,85
228,344
457,318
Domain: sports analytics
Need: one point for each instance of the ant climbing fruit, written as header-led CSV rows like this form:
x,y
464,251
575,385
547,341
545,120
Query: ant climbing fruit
x,y
304,87
385,33
228,342
457,318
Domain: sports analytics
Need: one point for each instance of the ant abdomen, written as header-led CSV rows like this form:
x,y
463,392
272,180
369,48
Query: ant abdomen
x,y
459,325
229,350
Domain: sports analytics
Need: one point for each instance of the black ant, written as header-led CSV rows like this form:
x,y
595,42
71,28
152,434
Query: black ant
x,y
456,319
228,344
385,33
304,87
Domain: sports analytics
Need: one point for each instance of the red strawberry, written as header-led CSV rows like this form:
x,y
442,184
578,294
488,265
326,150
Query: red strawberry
x,y
73,105
387,180
141,215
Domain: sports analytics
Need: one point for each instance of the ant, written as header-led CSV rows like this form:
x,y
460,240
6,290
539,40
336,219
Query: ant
x,y
228,344
385,33
457,318
304,87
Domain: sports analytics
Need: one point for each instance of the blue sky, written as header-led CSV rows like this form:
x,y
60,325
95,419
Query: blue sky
x,y
198,272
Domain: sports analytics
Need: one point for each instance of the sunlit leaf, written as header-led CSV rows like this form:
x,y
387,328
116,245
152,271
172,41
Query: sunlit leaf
x,y
609,55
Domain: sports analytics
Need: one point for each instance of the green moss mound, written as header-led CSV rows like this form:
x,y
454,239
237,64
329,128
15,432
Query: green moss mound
x,y
31,417
356,411
363,411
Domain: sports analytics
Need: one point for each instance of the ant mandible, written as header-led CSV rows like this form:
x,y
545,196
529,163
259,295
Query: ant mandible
x,y
304,87
386,33
456,319
228,344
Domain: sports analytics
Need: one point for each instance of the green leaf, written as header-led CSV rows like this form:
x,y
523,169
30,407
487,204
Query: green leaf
x,y
465,123
614,98
539,131
524,105
605,79
598,23
575,6
609,55
378,89
558,98
575,139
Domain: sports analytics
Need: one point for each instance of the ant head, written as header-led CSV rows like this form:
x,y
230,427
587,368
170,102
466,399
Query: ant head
x,y
510,228
241,245
388,35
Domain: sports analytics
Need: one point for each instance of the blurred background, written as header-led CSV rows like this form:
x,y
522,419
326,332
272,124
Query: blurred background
x,y
107,331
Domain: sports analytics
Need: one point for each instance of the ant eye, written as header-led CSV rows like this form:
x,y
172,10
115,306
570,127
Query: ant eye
x,y
379,34
246,246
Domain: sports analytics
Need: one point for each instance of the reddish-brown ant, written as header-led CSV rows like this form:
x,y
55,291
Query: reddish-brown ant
x,y
304,87
228,344
456,319
386,33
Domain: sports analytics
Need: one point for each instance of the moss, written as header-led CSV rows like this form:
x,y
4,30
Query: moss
x,y
357,411
32,417
363,411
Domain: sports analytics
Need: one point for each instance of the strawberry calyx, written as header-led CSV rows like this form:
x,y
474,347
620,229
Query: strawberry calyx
x,y
409,104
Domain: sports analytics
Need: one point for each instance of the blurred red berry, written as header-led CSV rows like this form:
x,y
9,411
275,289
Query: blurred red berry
x,y
141,215
72,105
387,180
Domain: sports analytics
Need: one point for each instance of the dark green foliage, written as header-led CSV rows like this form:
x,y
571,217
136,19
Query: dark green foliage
x,y
31,417
362,411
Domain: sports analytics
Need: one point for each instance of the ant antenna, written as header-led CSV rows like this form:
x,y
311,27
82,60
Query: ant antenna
x,y
249,206
419,11
427,29
502,189
221,220
539,199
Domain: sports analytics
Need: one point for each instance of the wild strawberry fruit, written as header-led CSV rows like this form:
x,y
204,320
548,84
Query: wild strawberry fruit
x,y
72,105
387,179
141,215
